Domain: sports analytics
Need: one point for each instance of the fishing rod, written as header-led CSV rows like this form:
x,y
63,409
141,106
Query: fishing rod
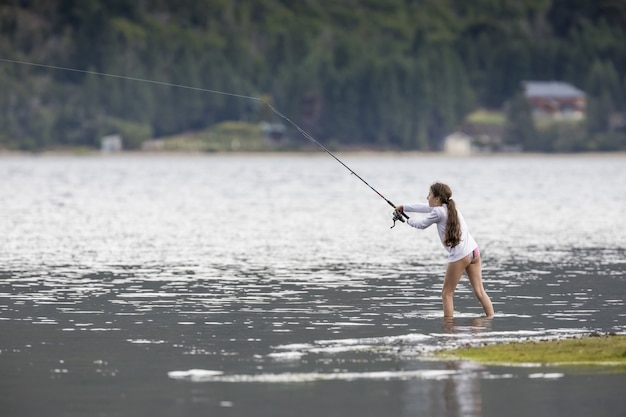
x,y
396,215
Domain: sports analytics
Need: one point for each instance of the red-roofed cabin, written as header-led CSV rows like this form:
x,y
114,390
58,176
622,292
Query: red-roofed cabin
x,y
555,100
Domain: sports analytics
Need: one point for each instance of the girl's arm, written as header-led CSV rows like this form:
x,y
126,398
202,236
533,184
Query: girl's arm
x,y
417,208
432,218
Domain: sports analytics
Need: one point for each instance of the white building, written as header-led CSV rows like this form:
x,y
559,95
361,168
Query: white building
x,y
111,143
457,143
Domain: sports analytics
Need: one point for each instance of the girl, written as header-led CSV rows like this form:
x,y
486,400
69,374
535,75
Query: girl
x,y
461,246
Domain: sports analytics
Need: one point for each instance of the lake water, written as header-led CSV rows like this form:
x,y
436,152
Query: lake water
x,y
273,285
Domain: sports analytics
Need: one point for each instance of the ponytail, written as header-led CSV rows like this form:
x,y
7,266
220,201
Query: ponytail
x,y
453,226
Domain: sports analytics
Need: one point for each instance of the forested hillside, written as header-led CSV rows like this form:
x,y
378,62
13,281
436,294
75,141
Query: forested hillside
x,y
389,73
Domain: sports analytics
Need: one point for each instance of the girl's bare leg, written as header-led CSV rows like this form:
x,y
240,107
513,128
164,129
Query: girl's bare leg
x,y
474,273
454,271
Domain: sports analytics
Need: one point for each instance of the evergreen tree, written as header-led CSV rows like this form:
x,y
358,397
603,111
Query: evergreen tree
x,y
603,87
519,129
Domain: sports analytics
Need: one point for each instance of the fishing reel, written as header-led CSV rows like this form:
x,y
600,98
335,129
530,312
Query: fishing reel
x,y
397,216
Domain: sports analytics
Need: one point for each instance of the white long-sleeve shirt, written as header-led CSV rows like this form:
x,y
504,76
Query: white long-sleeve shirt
x,y
439,215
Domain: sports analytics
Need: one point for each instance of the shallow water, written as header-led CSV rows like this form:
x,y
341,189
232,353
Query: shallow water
x,y
272,285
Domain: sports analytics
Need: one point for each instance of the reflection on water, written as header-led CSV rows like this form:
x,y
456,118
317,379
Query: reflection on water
x,y
273,284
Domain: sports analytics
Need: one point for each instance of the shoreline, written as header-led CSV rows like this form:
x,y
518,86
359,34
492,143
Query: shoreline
x,y
307,152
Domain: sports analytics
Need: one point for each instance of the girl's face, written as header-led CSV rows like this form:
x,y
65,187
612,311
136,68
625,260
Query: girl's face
x,y
432,200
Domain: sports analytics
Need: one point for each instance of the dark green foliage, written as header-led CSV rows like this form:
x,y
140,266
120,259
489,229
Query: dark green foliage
x,y
385,73
520,128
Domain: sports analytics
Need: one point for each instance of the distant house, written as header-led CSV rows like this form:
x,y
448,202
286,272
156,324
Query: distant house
x,y
458,143
555,100
111,143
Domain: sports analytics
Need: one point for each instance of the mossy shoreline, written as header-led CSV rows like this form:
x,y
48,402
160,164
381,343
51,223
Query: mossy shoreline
x,y
602,350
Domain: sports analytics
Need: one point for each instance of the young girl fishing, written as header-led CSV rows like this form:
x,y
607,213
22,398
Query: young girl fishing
x,y
464,255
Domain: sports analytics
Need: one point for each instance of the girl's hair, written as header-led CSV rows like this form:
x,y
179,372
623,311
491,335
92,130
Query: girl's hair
x,y
453,226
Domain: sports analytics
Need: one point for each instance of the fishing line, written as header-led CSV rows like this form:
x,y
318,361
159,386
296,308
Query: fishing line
x,y
124,77
396,216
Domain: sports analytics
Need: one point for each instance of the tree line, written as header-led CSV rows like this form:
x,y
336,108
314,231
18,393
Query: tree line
x,y
384,73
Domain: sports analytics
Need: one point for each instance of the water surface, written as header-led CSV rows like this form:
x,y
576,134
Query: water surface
x,y
273,285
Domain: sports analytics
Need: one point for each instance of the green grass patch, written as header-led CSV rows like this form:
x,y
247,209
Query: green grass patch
x,y
486,117
223,137
601,350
